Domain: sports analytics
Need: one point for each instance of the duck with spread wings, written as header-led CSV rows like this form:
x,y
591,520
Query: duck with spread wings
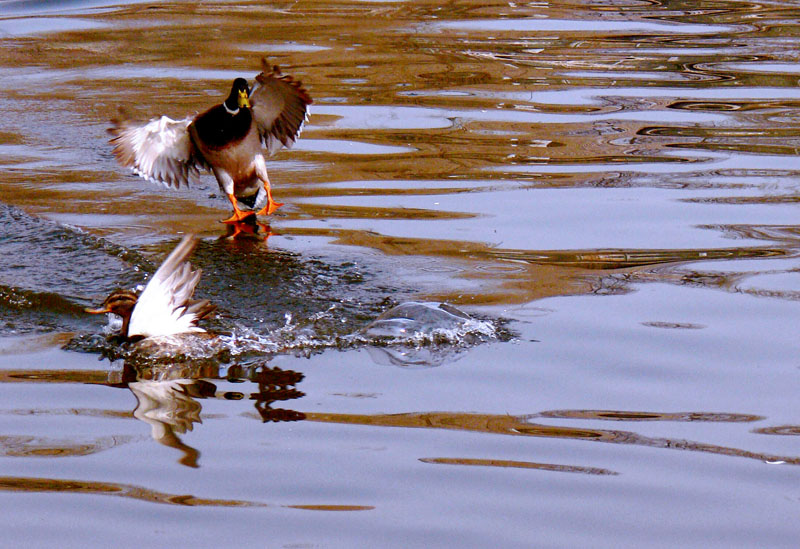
x,y
227,140
165,306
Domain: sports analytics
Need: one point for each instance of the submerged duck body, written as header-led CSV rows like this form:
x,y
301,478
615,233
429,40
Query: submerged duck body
x,y
228,139
165,306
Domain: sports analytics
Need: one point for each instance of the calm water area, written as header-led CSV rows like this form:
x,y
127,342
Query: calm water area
x,y
610,189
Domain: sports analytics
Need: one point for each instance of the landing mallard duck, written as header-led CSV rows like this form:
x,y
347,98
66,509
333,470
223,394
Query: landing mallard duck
x,y
226,139
165,306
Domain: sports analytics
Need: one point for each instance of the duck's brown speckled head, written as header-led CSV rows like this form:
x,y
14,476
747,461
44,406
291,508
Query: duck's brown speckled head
x,y
121,303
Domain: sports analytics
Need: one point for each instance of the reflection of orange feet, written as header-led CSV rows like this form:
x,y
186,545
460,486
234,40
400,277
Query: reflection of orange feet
x,y
237,217
249,228
270,208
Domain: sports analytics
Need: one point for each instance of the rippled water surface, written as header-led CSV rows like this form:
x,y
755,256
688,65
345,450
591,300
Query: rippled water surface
x,y
609,190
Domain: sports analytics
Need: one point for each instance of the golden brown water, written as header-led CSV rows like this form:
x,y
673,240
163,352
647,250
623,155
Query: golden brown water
x,y
612,186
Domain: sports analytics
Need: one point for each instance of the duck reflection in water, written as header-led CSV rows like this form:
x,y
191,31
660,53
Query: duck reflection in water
x,y
249,228
168,397
170,408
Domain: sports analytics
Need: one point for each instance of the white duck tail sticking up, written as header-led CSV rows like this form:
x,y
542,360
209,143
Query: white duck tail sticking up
x,y
165,307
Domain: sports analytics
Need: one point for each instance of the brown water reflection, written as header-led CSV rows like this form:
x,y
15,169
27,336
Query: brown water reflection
x,y
21,484
456,116
51,485
169,401
33,447
519,465
521,426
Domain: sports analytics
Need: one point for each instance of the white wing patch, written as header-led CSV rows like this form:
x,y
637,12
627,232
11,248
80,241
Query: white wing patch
x,y
160,151
162,309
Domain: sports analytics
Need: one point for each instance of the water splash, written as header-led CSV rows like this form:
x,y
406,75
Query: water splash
x,y
411,334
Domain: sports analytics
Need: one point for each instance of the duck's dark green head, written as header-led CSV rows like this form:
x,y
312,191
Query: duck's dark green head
x,y
239,96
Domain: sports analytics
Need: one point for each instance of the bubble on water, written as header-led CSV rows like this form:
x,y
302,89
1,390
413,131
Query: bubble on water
x,y
422,323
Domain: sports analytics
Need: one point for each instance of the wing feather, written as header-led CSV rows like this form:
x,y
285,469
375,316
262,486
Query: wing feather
x,y
165,306
160,150
280,107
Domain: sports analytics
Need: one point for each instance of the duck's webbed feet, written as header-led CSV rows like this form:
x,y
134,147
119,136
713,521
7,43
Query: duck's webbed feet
x,y
238,215
271,206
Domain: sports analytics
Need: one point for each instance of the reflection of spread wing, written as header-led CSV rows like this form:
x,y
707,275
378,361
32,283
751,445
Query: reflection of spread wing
x,y
170,408
160,150
165,306
280,106
170,405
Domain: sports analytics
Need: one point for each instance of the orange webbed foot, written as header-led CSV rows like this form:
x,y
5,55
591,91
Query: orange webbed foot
x,y
270,208
237,217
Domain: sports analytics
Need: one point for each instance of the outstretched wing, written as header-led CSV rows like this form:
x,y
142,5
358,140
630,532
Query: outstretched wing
x,y
166,306
280,106
160,150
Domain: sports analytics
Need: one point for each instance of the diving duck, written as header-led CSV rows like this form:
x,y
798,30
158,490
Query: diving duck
x,y
165,306
226,139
